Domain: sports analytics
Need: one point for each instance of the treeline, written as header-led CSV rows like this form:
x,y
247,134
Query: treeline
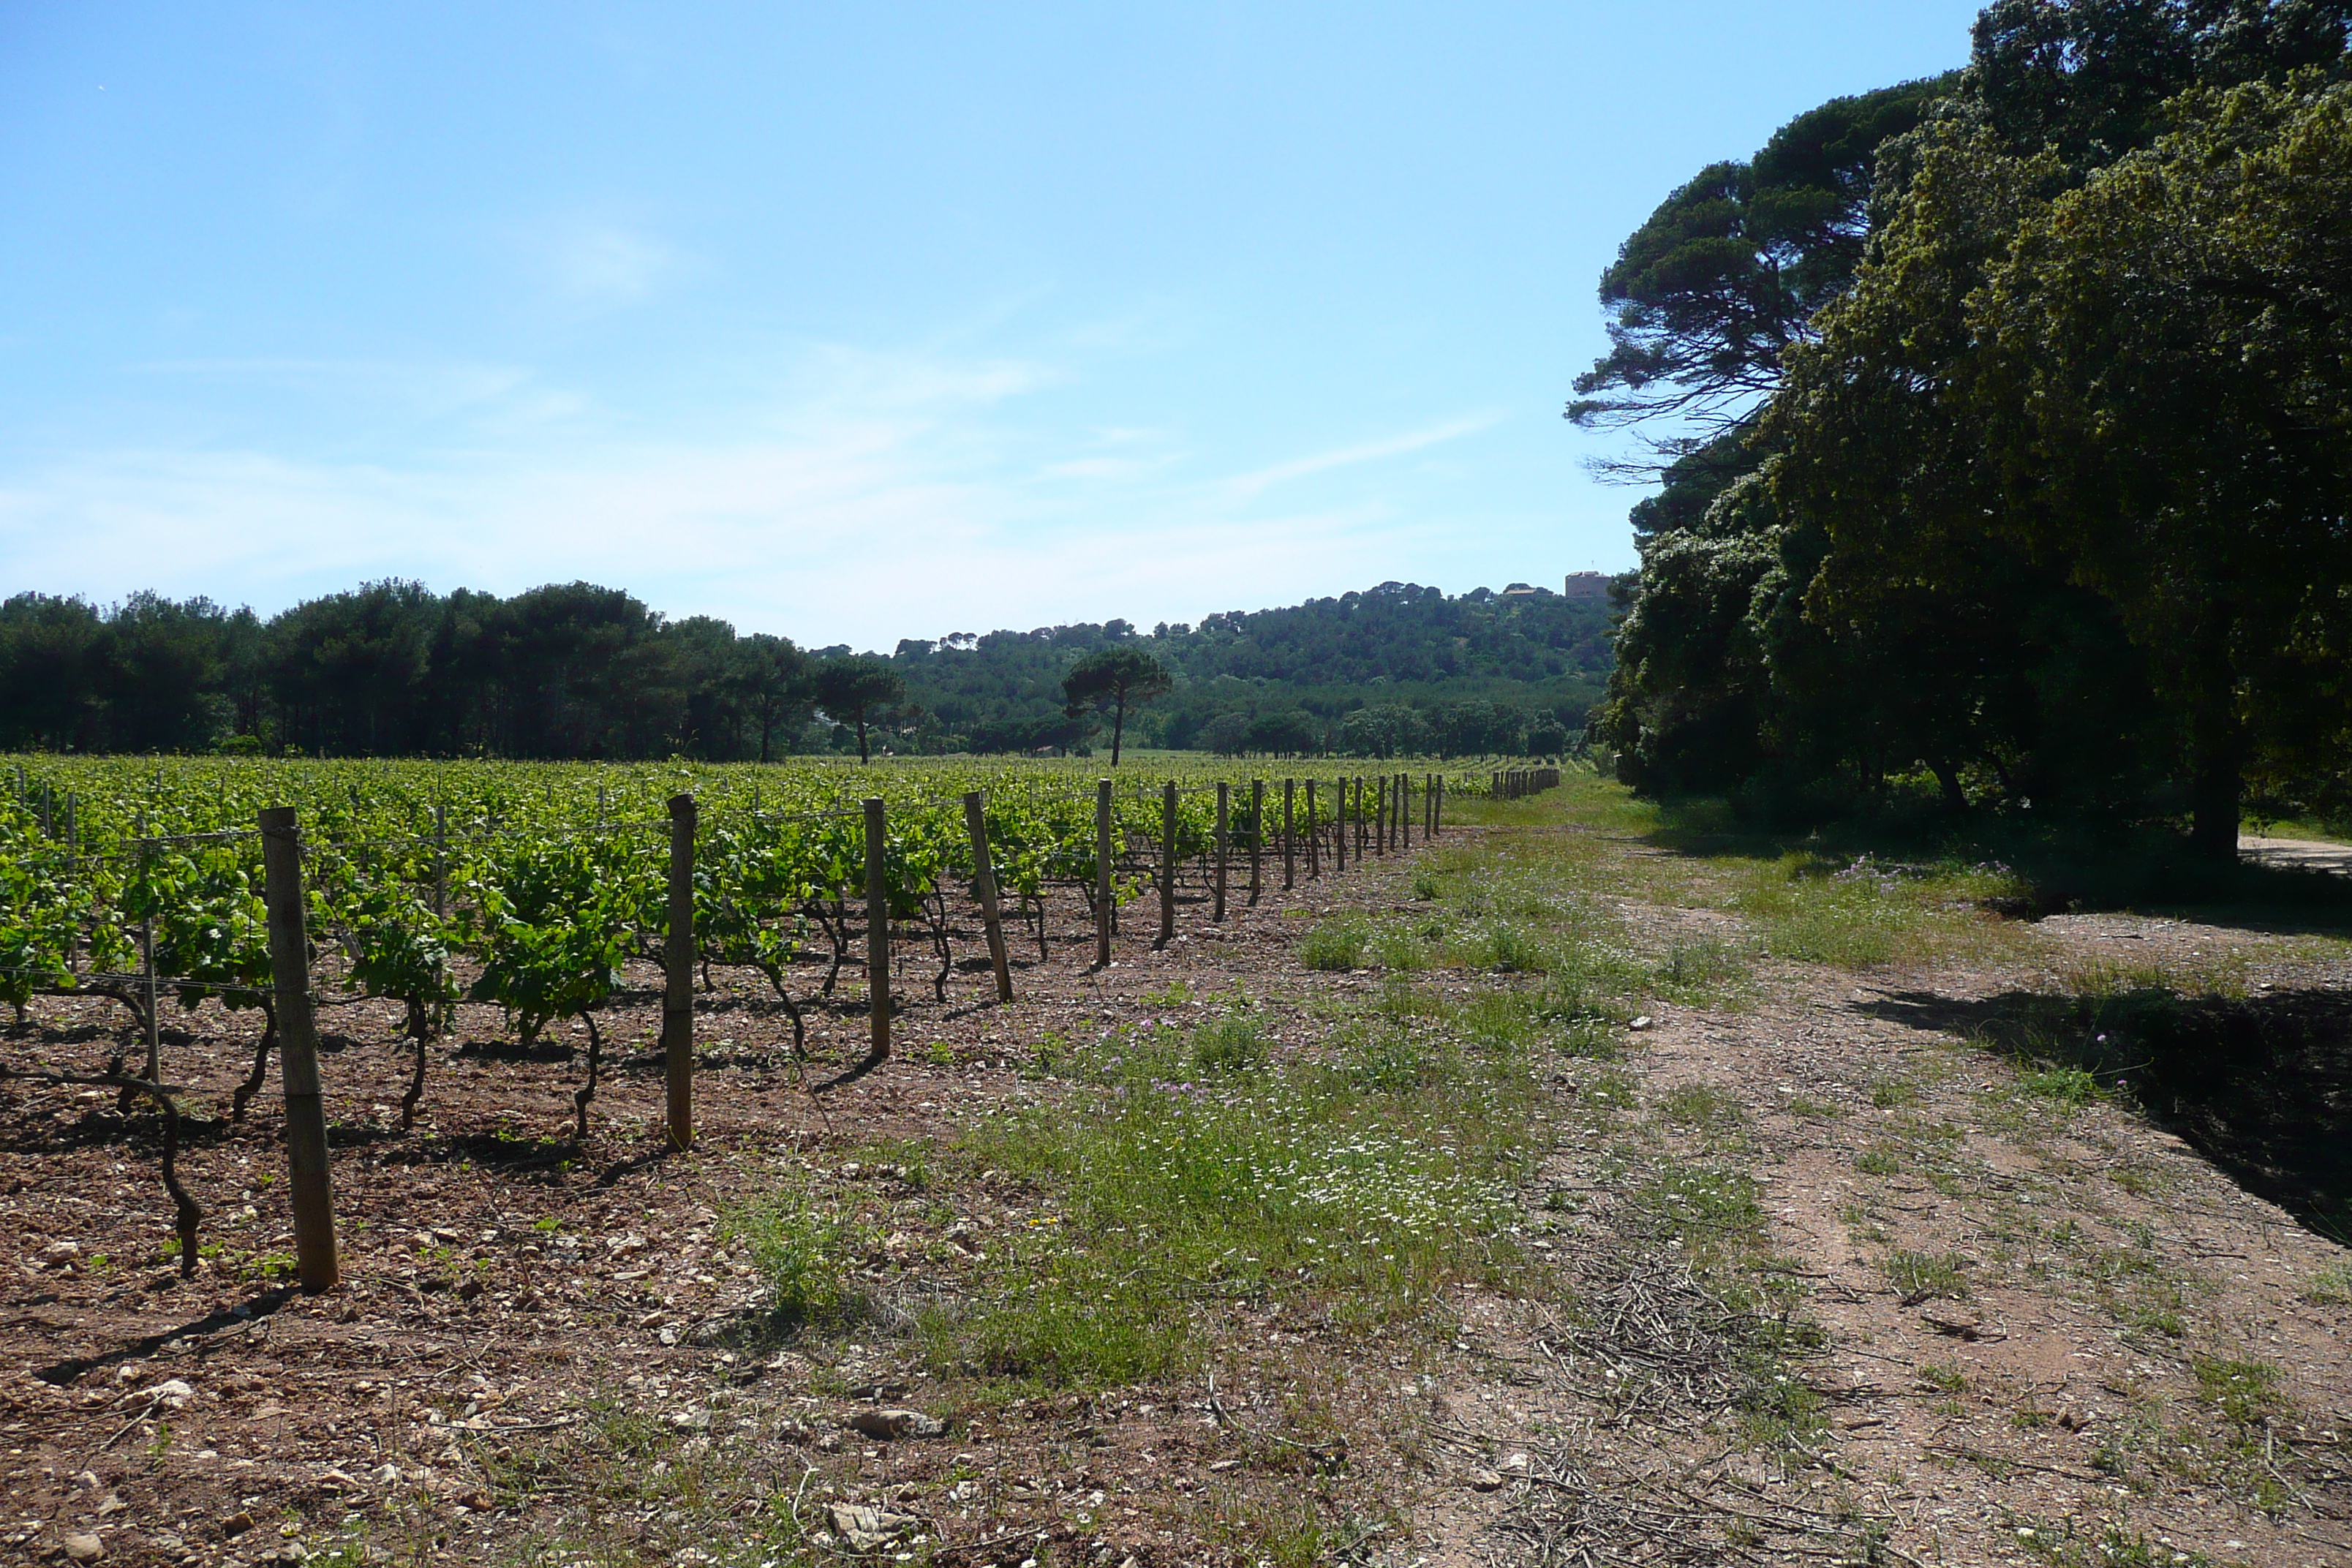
x,y
1511,672
2012,461
391,668
580,671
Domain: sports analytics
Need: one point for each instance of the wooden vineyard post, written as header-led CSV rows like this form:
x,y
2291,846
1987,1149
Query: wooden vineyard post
x,y
1257,838
1361,827
1437,806
1339,826
73,874
1167,863
310,1185
1102,874
1289,835
1224,803
878,928
147,959
1404,811
444,1010
984,887
1380,818
1314,845
678,959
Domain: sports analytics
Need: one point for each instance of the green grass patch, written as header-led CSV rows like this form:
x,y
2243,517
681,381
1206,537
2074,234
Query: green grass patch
x,y
1700,970
1893,1093
1336,943
1923,1277
2329,1286
1699,1105
2246,1392
1865,913
805,1247
1362,1181
2069,1086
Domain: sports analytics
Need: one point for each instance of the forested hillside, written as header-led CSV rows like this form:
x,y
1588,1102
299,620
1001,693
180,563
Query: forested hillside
x,y
2005,421
578,670
1400,666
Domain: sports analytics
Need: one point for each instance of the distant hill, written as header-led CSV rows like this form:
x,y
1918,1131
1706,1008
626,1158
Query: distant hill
x,y
573,669
1477,670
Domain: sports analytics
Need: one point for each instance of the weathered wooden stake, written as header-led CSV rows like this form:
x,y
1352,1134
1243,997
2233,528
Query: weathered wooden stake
x,y
445,1010
878,928
1224,795
1167,864
310,1185
1289,835
73,874
1380,820
1339,826
984,887
1404,811
1257,838
1313,843
1102,874
678,959
147,960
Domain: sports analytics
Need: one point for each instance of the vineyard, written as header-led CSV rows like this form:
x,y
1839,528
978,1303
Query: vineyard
x,y
553,893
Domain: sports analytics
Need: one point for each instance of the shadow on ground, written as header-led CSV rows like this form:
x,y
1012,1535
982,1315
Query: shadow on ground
x,y
2261,1086
2063,866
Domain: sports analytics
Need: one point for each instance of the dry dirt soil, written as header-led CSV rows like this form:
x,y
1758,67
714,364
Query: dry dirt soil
x,y
1995,1315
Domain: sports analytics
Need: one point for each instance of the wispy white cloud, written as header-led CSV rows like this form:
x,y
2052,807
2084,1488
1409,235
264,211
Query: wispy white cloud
x,y
1250,484
417,387
879,495
611,266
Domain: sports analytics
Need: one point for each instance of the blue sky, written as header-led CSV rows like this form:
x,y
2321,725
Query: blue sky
x,y
847,323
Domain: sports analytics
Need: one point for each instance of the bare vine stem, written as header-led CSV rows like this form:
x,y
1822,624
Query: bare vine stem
x,y
186,1214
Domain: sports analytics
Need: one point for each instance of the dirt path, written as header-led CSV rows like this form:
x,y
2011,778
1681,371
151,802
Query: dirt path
x,y
2308,854
1807,1275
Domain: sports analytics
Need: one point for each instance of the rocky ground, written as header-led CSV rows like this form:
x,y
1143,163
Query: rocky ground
x,y
1826,1264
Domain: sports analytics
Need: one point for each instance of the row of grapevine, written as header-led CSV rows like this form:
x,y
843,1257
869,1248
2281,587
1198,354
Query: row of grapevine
x,y
537,903
535,890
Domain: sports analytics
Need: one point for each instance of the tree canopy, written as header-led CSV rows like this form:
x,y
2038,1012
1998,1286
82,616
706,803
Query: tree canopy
x,y
578,670
1704,297
2048,503
1110,680
853,690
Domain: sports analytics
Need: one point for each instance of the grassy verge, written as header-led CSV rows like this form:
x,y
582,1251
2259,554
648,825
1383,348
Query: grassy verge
x,y
1189,1167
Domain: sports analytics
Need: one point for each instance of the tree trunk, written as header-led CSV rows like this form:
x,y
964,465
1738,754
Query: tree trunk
x,y
862,757
2214,805
1118,728
2218,748
1950,778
